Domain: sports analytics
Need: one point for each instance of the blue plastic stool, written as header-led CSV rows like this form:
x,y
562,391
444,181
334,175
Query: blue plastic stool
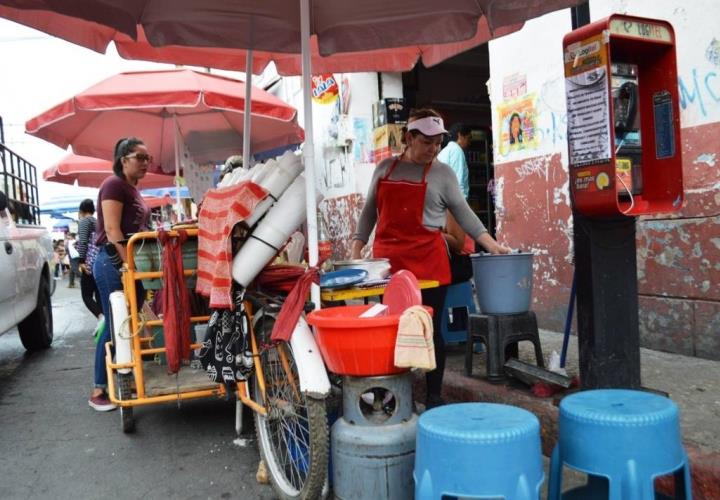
x,y
458,295
627,437
478,450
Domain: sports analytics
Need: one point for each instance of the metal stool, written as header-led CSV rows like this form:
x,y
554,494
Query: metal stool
x,y
458,295
500,334
627,437
478,450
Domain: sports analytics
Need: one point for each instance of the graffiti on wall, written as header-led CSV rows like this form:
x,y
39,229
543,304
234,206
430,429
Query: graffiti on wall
x,y
701,90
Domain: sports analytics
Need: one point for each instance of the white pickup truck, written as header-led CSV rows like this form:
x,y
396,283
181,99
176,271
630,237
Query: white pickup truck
x,y
25,255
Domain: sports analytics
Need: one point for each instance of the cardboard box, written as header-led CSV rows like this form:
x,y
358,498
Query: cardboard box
x,y
388,136
390,111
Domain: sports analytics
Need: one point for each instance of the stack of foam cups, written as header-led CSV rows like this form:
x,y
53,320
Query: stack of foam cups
x,y
271,233
275,177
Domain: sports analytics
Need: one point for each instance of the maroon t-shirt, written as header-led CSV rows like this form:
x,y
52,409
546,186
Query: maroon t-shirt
x,y
135,212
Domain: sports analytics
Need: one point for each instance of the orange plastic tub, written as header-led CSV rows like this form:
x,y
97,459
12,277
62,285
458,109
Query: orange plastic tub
x,y
350,345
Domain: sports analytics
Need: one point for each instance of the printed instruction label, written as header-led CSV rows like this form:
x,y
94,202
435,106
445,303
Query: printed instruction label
x,y
588,102
588,109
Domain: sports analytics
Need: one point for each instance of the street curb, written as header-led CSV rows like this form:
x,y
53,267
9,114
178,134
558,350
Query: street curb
x,y
457,388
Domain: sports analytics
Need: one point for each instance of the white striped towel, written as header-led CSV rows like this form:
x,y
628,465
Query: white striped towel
x,y
414,346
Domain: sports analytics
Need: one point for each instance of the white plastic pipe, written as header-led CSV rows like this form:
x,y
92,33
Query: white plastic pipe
x,y
177,166
121,330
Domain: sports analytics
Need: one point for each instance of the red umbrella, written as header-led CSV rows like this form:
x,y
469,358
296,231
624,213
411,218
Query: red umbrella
x,y
395,59
91,172
347,36
158,201
206,109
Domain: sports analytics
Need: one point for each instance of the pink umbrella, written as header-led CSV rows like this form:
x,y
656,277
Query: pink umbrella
x,y
346,36
392,35
160,107
158,201
91,172
395,59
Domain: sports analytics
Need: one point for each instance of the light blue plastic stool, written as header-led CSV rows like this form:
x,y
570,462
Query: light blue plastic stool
x,y
628,437
458,295
479,450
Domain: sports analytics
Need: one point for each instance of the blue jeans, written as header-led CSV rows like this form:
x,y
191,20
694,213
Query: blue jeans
x,y
108,280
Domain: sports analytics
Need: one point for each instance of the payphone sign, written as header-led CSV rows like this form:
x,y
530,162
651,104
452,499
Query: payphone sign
x,y
640,29
587,96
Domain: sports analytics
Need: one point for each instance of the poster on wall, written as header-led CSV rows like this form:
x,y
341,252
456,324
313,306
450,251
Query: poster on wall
x,y
588,103
518,124
362,145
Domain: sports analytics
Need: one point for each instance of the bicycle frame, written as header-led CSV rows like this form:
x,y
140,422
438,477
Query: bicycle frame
x,y
141,345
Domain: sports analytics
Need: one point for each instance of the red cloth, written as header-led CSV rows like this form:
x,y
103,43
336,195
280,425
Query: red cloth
x,y
400,234
176,301
544,390
293,306
279,277
221,209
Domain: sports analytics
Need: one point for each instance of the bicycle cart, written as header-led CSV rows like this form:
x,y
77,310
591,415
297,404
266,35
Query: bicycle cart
x,y
286,388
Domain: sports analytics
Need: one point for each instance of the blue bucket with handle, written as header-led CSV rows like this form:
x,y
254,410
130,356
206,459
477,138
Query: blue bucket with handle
x,y
503,283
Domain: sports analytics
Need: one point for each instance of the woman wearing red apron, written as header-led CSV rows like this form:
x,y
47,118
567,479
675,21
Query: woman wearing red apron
x,y
408,199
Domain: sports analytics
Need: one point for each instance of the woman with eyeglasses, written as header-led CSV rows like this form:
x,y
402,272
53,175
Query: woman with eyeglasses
x,y
121,212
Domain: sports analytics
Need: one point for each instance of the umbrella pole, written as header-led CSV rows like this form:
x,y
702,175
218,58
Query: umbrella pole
x,y
309,147
177,167
248,109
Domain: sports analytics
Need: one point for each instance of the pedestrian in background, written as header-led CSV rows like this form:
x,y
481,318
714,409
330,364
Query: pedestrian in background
x,y
453,154
74,257
86,256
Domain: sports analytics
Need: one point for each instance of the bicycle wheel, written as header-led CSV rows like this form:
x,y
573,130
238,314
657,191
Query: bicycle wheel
x,y
293,436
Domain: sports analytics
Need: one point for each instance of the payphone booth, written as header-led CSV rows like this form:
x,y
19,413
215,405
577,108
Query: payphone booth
x,y
623,117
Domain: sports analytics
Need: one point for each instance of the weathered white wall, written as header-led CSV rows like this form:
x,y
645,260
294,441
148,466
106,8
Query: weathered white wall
x,y
536,52
334,180
679,254
698,49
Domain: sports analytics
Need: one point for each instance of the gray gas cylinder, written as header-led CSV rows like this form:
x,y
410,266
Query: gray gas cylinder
x,y
373,443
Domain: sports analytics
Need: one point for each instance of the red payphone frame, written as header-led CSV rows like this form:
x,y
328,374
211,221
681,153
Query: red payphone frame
x,y
589,52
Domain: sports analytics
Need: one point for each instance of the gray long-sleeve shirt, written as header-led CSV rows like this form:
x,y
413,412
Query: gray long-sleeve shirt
x,y
443,194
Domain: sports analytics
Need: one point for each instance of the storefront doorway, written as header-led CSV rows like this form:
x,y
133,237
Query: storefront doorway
x,y
457,89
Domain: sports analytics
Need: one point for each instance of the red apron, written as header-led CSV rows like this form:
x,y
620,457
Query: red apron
x,y
400,234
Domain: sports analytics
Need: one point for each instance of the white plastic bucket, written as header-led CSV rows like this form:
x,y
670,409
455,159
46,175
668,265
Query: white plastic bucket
x,y
277,226
503,283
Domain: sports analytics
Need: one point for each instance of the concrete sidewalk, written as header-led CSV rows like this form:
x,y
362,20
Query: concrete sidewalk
x,y
693,383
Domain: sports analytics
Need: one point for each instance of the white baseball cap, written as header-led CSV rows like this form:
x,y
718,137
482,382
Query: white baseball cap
x,y
429,126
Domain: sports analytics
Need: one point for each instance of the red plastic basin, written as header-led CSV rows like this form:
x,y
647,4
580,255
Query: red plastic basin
x,y
350,345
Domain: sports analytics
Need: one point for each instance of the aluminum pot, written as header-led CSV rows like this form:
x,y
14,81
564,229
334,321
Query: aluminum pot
x,y
377,268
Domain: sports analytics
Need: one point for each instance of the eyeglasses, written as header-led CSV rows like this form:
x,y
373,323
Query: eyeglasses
x,y
141,157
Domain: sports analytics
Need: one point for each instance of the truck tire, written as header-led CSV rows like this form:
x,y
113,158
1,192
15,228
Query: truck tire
x,y
36,331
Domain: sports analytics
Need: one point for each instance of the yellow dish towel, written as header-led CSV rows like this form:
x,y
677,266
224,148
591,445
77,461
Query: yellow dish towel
x,y
414,346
